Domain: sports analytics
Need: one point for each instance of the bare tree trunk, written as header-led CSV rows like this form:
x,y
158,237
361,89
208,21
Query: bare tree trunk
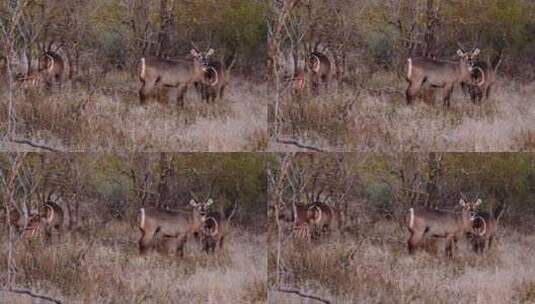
x,y
432,23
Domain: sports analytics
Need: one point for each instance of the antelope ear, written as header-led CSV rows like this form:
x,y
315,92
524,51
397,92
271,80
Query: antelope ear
x,y
478,202
210,52
209,202
476,52
460,53
193,203
462,202
195,53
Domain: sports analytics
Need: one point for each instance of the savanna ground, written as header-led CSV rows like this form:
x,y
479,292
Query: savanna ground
x,y
101,264
370,264
372,115
104,114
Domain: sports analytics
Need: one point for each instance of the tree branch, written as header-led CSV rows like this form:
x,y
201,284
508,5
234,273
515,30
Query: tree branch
x,y
31,294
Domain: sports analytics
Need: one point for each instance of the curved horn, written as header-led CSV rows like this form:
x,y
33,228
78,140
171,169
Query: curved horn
x,y
216,76
51,64
50,216
316,64
318,219
484,226
214,231
482,82
195,46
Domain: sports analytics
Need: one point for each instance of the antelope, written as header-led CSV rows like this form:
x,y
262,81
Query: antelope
x,y
481,81
53,219
213,81
431,223
315,218
176,75
177,226
485,226
320,68
50,67
430,73
215,228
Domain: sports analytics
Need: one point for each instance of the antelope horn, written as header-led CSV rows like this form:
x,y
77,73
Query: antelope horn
x,y
216,228
51,66
194,46
316,64
319,213
50,217
482,82
213,83
484,226
461,46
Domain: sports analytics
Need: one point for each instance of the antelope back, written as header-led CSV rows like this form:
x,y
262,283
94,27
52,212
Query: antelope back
x,y
173,73
173,223
440,72
440,222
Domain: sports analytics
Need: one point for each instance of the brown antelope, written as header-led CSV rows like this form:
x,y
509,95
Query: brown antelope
x,y
213,81
53,219
177,75
316,218
481,81
320,69
215,228
50,67
485,226
431,223
429,74
176,226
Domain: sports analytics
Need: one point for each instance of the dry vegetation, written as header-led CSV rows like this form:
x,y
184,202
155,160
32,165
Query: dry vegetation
x,y
365,258
108,117
377,118
367,267
102,264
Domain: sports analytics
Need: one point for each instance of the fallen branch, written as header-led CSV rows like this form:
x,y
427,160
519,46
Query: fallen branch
x,y
299,293
298,144
34,145
31,294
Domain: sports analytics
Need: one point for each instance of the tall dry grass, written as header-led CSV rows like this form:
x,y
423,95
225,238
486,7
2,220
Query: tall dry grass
x,y
103,114
373,116
103,266
371,265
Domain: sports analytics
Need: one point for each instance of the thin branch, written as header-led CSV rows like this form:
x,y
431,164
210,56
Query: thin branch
x,y
298,144
303,295
34,145
31,294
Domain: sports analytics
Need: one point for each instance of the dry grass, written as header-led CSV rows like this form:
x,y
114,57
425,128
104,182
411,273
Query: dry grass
x,y
373,266
103,266
377,118
108,117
